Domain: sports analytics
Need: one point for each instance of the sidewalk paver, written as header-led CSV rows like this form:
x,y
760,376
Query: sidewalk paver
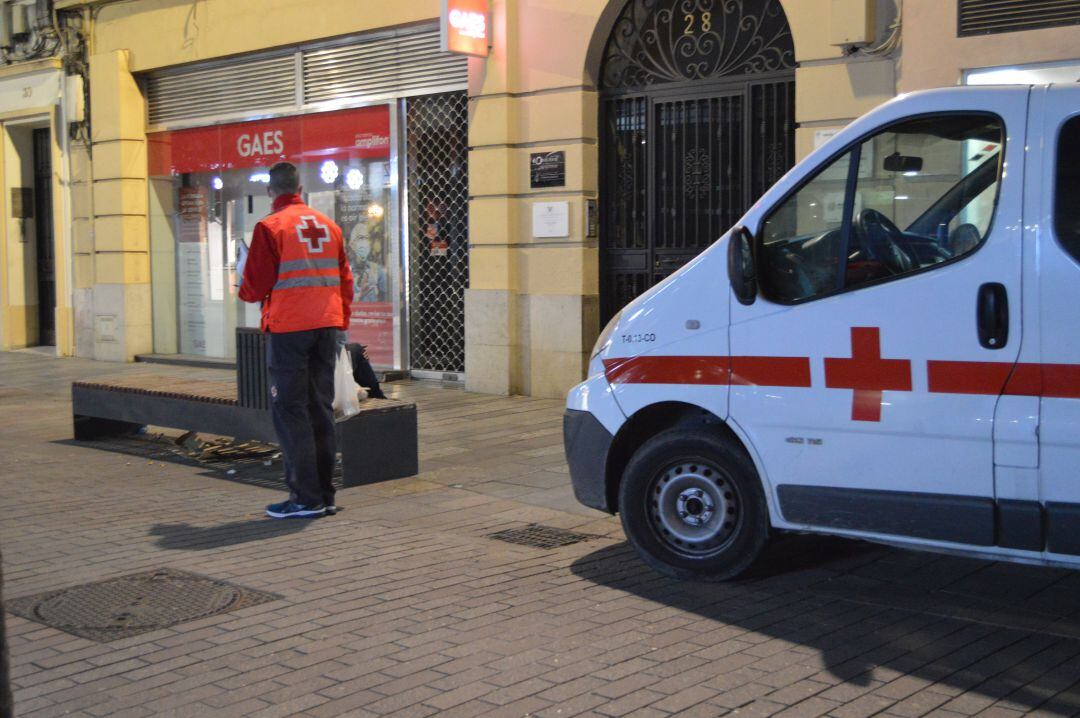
x,y
402,604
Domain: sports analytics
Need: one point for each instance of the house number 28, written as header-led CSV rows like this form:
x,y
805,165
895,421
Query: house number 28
x,y
706,22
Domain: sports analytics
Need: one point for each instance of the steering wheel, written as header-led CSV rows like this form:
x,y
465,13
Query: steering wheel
x,y
879,236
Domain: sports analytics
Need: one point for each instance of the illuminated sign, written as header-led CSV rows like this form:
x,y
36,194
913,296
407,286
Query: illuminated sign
x,y
465,28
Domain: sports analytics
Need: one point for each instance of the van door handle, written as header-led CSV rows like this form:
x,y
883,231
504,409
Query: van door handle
x,y
992,315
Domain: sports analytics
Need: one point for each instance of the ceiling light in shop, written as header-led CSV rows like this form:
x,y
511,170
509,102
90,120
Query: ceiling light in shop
x,y
375,211
354,178
263,177
217,183
329,171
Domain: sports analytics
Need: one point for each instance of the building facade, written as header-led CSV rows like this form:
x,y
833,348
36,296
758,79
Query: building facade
x,y
42,106
498,208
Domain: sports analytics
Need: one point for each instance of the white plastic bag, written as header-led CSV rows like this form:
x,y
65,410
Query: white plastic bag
x,y
346,401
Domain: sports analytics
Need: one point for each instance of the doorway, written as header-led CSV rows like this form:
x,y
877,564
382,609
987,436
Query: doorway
x,y
697,121
43,237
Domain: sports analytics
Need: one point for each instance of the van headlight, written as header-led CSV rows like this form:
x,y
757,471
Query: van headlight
x,y
604,340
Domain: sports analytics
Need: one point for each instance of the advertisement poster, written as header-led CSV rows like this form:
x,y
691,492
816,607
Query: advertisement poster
x,y
192,263
362,222
372,325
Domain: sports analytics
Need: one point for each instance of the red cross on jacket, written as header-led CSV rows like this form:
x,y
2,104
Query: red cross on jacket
x,y
298,269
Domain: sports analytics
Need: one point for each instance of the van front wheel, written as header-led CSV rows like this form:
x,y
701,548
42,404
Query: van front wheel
x,y
692,506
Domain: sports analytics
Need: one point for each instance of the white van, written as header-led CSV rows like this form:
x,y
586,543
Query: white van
x,y
886,347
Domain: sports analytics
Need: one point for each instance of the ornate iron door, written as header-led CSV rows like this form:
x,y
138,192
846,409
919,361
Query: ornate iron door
x,y
697,121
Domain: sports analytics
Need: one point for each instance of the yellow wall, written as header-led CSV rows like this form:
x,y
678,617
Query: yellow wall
x,y
161,33
31,92
20,293
110,198
121,320
18,249
531,310
935,57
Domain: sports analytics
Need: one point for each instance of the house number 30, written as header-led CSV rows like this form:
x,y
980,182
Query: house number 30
x,y
690,18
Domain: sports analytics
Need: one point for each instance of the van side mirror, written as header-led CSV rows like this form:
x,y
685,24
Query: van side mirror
x,y
741,269
897,162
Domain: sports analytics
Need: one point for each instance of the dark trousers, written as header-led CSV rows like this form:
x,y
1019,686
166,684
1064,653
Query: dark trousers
x,y
362,372
302,396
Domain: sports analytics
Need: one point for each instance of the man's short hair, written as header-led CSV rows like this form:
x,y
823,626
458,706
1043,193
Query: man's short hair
x,y
284,178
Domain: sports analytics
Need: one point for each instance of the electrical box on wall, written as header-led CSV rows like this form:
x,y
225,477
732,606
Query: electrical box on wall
x,y
20,26
22,202
852,22
74,99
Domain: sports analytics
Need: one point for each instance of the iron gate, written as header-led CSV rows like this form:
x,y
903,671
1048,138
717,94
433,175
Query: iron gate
x,y
438,185
697,121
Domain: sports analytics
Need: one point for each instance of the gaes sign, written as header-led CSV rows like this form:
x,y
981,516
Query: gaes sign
x,y
464,27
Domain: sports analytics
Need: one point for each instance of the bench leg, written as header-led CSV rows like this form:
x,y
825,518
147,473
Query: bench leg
x,y
378,447
92,427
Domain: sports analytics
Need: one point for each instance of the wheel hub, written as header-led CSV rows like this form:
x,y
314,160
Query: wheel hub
x,y
694,507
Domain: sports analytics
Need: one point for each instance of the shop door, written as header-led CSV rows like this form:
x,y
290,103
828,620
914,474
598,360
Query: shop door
x,y
438,201
43,235
697,121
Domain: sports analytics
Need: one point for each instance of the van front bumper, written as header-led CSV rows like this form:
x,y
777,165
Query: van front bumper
x,y
587,444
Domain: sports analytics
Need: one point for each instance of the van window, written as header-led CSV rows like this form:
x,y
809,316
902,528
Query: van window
x,y
923,193
1067,189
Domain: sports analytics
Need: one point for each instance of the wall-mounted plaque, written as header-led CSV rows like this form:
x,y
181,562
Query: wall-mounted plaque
x,y
547,169
22,202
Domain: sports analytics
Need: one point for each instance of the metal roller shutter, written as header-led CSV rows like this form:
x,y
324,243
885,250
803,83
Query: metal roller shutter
x,y
242,85
985,17
408,65
398,64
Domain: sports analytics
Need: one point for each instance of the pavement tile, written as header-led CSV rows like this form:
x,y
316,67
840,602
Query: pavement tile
x,y
402,606
629,703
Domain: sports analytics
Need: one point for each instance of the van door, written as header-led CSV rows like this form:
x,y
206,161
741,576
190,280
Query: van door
x,y
887,324
1056,376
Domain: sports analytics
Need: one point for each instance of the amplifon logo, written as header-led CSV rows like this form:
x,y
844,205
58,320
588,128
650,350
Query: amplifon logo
x,y
464,26
368,140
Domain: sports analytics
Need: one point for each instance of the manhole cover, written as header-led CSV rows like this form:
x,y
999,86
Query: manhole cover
x,y
540,536
129,605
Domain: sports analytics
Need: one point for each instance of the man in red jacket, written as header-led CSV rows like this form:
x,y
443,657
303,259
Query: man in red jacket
x,y
298,269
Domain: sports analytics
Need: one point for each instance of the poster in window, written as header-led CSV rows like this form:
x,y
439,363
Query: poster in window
x,y
363,226
192,268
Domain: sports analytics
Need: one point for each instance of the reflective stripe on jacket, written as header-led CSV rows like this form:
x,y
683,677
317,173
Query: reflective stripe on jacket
x,y
298,269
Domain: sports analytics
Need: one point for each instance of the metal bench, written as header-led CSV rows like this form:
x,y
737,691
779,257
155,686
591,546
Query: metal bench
x,y
377,444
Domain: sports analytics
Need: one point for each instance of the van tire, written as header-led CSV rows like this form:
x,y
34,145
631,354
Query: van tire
x,y
692,506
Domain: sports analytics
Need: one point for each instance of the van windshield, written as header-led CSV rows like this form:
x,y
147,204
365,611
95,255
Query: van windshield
x,y
923,193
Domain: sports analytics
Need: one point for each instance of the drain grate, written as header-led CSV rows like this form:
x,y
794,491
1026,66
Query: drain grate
x,y
540,536
129,605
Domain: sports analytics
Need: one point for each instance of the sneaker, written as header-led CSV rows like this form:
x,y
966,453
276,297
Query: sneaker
x,y
331,509
289,510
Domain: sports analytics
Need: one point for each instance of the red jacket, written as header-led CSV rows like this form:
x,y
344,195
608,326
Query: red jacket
x,y
298,269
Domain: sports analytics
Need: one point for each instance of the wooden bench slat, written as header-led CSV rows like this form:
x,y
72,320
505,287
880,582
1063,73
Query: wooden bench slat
x,y
207,391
